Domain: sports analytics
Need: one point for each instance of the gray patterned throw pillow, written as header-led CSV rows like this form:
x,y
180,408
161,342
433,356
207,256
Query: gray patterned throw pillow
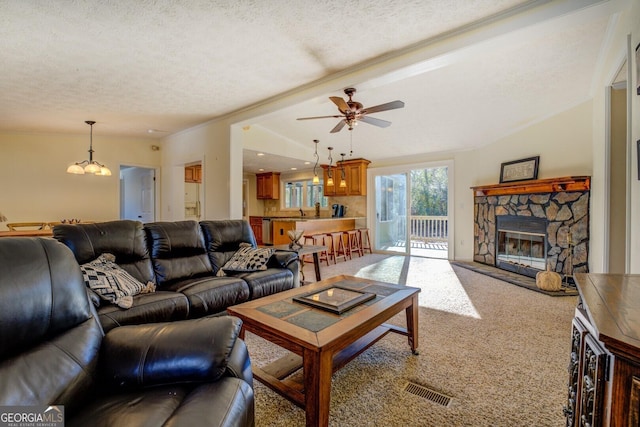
x,y
111,282
247,259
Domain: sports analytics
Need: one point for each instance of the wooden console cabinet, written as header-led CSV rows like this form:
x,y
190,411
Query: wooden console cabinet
x,y
604,365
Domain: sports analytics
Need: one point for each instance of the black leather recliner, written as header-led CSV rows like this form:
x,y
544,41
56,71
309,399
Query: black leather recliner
x,y
53,352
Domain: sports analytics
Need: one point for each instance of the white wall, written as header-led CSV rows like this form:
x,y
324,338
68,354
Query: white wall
x,y
34,185
209,143
563,143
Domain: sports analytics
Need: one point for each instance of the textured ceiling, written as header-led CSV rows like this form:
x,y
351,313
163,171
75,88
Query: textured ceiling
x,y
169,65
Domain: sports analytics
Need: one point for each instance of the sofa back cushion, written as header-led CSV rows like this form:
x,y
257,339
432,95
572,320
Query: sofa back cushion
x,y
177,251
125,239
49,334
223,238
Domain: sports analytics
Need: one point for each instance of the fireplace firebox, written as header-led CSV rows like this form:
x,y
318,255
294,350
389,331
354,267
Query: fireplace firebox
x,y
521,244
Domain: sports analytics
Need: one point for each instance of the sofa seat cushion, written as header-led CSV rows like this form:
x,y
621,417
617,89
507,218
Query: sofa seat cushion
x,y
160,306
227,402
267,282
211,295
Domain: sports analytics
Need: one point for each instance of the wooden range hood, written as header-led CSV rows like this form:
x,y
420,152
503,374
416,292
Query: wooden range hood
x,y
551,185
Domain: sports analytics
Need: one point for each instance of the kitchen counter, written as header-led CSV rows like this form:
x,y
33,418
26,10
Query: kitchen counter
x,y
312,218
312,225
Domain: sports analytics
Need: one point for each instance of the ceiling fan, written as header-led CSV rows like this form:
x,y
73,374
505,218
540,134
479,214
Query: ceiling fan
x,y
352,112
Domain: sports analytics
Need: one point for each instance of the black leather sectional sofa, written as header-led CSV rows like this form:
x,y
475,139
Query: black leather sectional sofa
x,y
182,258
53,351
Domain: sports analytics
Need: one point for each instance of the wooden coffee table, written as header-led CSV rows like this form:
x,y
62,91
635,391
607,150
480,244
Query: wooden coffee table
x,y
320,341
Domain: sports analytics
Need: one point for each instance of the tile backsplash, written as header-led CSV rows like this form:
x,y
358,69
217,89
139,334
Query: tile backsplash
x,y
356,206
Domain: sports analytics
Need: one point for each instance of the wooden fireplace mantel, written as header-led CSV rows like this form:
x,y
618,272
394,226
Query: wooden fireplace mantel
x,y
550,185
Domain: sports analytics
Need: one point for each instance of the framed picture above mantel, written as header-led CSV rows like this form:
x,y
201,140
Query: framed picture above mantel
x,y
519,170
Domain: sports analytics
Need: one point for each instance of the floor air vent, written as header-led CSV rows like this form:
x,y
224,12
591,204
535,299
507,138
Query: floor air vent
x,y
427,393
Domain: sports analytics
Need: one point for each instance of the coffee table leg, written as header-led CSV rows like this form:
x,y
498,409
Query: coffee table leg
x,y
412,324
318,368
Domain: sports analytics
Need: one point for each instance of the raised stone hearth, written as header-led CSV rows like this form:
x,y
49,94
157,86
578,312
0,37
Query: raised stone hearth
x,y
562,202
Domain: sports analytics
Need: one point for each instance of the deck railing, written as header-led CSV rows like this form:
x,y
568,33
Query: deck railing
x,y
429,228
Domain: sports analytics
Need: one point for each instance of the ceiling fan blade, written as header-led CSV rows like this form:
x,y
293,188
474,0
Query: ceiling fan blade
x,y
319,117
384,107
339,126
375,122
340,103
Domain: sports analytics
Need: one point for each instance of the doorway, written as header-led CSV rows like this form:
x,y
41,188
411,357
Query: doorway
x,y
618,239
138,193
193,191
411,209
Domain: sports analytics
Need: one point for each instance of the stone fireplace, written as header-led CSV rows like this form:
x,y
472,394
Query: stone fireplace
x,y
526,226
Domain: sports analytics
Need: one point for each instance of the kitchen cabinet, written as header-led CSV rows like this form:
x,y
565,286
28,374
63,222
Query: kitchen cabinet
x,y
256,225
355,174
604,364
193,174
268,185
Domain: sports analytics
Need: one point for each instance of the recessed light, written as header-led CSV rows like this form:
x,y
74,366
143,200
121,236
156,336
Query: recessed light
x,y
294,169
261,169
307,163
260,154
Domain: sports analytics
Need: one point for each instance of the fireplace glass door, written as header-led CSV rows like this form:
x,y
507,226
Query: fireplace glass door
x,y
521,249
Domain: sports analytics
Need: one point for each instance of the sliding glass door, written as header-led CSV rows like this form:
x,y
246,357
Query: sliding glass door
x,y
391,212
411,207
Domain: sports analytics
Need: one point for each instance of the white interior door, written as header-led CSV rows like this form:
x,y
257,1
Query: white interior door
x,y
138,193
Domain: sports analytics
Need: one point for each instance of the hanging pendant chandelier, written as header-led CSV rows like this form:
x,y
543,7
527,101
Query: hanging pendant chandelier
x,y
343,181
89,166
316,178
329,182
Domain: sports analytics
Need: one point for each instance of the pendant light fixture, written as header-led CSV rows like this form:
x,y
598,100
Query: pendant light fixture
x,y
329,182
89,166
316,179
343,181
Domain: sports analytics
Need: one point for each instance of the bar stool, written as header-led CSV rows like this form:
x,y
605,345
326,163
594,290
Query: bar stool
x,y
321,240
339,250
309,239
365,242
353,242
331,254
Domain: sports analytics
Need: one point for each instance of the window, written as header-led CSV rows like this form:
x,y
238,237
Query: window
x,y
303,194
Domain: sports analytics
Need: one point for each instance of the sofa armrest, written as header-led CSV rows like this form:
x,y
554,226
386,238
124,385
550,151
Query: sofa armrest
x,y
239,364
282,259
288,260
195,350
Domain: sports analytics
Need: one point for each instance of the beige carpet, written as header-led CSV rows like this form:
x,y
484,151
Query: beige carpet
x,y
498,350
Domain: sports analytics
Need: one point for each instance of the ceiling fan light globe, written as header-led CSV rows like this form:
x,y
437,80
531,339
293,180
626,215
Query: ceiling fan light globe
x,y
316,180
